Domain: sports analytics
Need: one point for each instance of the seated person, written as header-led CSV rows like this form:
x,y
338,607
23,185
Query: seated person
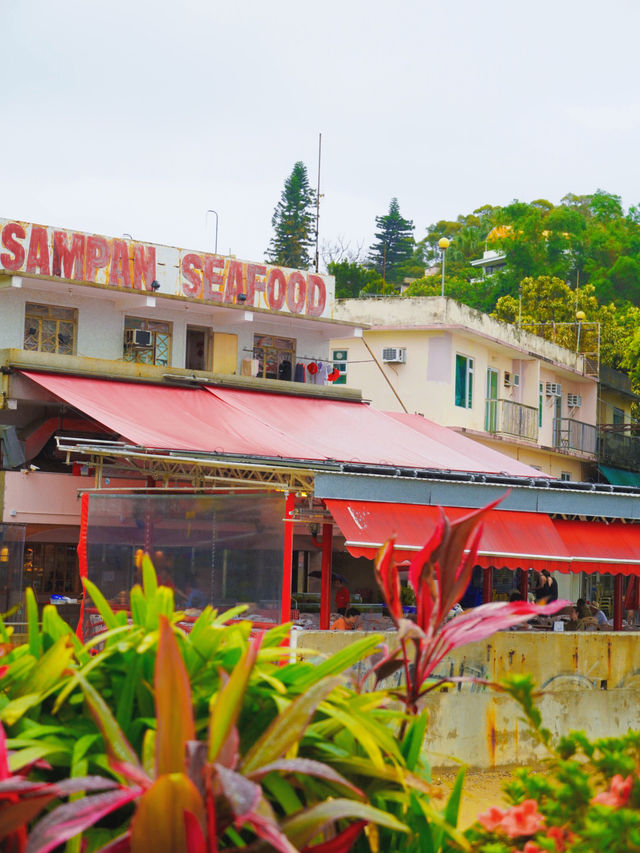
x,y
348,622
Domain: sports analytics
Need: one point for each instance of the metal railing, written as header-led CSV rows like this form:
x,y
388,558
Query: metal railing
x,y
509,418
619,450
574,435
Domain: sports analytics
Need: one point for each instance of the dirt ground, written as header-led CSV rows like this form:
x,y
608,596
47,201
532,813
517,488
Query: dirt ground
x,y
482,788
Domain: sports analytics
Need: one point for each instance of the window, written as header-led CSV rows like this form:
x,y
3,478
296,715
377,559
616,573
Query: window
x,y
618,416
565,475
464,381
152,348
50,328
340,364
51,568
275,356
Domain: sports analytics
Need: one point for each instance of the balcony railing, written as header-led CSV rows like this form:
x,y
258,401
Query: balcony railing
x,y
574,435
509,418
619,450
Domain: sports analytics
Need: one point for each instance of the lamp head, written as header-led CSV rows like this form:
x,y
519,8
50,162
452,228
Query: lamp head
x,y
580,316
155,285
444,243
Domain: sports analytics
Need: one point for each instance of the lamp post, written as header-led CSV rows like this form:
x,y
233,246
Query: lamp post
x,y
215,250
444,245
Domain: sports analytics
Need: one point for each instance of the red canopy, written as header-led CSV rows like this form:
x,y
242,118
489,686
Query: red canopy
x,y
252,423
596,546
510,539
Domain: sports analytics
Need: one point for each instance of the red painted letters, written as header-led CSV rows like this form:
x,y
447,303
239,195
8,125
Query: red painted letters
x,y
38,257
10,232
68,263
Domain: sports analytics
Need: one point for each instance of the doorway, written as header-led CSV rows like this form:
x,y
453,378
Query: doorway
x,y
198,348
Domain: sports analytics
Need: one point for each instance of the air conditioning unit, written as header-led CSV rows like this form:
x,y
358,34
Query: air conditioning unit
x,y
139,338
511,380
394,355
553,389
574,401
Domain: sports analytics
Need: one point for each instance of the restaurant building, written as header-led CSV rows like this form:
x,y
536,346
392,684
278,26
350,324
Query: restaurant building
x,y
189,404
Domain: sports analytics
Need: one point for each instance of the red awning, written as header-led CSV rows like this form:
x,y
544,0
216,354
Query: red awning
x,y
509,539
252,423
596,546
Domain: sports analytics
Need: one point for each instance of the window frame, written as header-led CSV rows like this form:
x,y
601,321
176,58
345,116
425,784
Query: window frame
x,y
340,359
146,324
463,397
39,318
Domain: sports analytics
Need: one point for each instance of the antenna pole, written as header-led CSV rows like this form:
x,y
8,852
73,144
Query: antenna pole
x,y
318,201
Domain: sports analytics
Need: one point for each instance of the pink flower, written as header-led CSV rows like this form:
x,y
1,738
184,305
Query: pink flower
x,y
530,847
492,819
524,819
618,794
559,835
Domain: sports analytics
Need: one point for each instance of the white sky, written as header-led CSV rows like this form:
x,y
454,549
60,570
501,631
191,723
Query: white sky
x,y
136,116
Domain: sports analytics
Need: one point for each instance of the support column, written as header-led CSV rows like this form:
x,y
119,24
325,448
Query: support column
x,y
617,602
524,584
325,582
487,585
287,559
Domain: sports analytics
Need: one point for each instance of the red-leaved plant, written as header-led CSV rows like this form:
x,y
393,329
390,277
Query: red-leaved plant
x,y
439,575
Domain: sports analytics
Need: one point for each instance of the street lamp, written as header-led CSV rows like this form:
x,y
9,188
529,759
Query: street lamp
x,y
215,251
444,245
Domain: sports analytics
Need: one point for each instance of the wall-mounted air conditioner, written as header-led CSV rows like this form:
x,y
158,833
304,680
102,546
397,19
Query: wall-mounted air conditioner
x,y
511,380
553,389
394,355
139,338
574,401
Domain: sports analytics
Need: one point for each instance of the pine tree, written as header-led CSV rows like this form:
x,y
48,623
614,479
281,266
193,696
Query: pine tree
x,y
293,222
394,243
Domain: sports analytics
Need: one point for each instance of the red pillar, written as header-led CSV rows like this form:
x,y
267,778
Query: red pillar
x,y
325,582
617,602
287,559
524,584
487,585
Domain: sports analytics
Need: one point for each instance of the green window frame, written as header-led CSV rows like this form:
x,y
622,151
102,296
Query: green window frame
x,y
340,364
464,381
540,402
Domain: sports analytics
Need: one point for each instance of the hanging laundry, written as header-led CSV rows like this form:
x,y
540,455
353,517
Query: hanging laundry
x,y
284,370
299,373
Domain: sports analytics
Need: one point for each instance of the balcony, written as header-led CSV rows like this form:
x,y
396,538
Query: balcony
x,y
574,435
505,417
619,449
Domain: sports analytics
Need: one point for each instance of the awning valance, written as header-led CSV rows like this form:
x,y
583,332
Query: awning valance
x,y
619,477
510,539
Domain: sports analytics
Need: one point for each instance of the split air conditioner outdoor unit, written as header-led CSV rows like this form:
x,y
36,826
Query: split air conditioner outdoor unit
x,y
139,337
394,355
511,380
553,389
574,401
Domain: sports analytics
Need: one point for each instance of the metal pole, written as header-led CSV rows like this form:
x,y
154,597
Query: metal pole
x,y
215,250
318,201
444,252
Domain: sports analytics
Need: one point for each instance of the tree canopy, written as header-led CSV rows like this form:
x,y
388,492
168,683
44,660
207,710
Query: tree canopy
x,y
293,222
394,245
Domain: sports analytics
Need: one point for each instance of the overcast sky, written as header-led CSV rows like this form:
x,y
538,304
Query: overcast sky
x,y
137,117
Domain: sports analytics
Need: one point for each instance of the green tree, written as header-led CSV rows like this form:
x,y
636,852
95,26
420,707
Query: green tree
x,y
353,278
293,222
394,243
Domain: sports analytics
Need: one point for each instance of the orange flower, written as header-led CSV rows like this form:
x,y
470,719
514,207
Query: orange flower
x,y
618,794
524,819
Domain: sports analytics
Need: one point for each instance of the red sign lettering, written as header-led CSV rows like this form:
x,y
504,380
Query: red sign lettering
x,y
144,266
255,284
68,263
119,271
234,281
296,292
97,255
213,282
316,296
38,257
276,288
10,232
193,284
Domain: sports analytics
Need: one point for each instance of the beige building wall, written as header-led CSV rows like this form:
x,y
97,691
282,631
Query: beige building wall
x,y
433,331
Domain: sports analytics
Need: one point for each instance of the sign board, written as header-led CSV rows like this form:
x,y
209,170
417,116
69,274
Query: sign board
x,y
57,253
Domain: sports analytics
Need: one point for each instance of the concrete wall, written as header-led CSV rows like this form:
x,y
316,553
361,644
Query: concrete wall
x,y
590,681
